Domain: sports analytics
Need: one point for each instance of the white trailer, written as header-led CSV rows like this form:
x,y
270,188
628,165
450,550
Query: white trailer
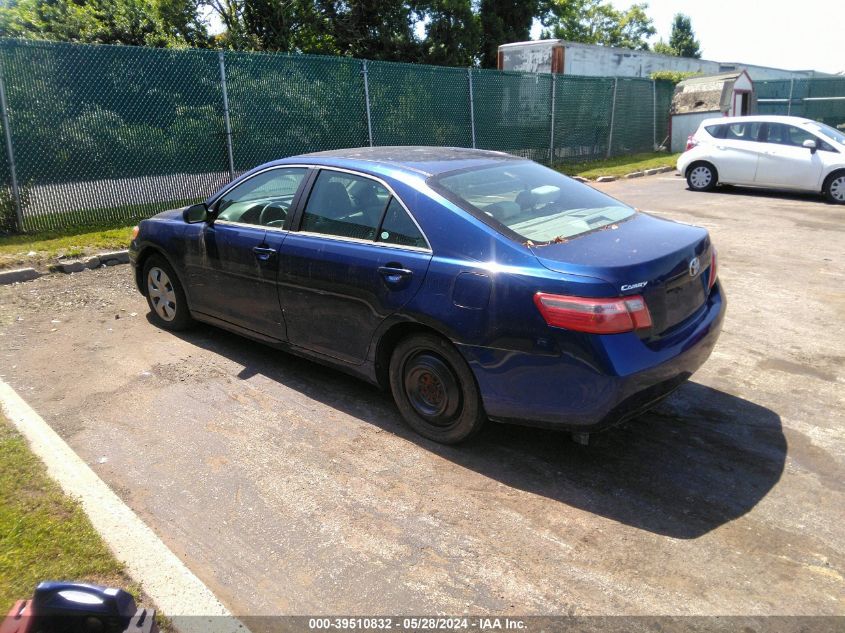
x,y
573,58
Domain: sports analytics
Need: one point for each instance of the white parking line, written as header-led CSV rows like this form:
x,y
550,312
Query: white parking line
x,y
175,589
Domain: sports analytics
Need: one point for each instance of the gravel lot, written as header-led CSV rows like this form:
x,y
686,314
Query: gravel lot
x,y
290,488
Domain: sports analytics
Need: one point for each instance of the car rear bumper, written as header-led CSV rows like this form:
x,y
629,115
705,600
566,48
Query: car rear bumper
x,y
625,377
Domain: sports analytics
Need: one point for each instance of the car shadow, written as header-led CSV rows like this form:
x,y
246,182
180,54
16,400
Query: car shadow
x,y
699,460
782,194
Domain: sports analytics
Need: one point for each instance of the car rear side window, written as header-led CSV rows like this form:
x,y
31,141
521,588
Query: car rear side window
x,y
345,205
263,199
717,131
398,227
743,131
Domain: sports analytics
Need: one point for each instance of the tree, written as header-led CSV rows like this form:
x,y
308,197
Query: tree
x,y
682,42
136,22
597,22
503,21
452,32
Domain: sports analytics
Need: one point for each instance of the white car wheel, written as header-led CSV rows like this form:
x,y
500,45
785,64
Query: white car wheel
x,y
701,177
836,188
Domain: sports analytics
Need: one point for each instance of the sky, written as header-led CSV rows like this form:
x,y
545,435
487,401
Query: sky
x,y
809,34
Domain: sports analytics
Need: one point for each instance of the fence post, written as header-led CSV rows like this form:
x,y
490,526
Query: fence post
x,y
226,118
552,126
367,101
654,114
10,152
612,116
789,105
471,107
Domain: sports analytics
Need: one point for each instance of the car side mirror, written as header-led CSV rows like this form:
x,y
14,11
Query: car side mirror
x,y
195,213
810,144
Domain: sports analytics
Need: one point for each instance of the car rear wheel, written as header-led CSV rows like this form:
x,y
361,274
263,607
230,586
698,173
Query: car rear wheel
x,y
834,187
165,295
702,177
435,389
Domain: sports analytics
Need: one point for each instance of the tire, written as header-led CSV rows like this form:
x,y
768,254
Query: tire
x,y
435,389
702,177
834,187
165,295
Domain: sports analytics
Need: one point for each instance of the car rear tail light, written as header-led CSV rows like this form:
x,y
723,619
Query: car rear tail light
x,y
691,142
711,279
596,316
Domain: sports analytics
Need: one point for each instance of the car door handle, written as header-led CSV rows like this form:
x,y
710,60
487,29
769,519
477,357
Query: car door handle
x,y
263,253
395,275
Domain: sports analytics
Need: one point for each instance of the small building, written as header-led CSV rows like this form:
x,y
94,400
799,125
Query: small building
x,y
699,98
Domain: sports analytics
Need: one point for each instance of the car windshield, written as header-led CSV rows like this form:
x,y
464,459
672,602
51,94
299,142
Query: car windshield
x,y
830,132
535,203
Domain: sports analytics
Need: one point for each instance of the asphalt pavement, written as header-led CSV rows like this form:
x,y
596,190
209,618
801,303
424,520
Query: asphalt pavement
x,y
289,488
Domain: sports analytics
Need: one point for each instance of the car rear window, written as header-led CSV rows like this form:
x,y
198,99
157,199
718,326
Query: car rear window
x,y
529,202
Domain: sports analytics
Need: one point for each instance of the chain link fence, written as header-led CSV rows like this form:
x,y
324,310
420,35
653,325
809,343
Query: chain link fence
x,y
100,134
822,99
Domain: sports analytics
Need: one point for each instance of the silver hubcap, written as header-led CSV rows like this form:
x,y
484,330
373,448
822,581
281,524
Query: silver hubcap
x,y
700,177
161,293
837,189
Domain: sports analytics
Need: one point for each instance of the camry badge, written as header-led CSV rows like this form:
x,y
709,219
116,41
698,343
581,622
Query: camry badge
x,y
694,267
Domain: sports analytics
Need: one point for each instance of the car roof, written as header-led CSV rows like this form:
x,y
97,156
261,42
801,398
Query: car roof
x,y
418,159
761,118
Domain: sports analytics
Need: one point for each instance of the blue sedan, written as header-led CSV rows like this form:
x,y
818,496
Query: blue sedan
x,y
474,285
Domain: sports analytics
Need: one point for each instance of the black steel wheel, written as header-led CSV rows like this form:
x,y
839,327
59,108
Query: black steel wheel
x,y
435,389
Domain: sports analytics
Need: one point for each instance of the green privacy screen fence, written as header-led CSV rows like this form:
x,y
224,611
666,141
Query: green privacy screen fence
x,y
95,134
822,99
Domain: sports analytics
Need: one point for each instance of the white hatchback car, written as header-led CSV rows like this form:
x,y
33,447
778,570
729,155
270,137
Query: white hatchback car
x,y
779,152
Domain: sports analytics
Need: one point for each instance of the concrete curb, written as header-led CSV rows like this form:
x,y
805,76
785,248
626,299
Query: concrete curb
x,y
112,258
176,591
635,174
606,179
18,275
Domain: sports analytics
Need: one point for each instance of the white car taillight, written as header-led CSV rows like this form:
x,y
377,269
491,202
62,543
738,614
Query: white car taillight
x,y
691,142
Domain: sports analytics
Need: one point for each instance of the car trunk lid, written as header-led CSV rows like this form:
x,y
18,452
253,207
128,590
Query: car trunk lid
x,y
665,262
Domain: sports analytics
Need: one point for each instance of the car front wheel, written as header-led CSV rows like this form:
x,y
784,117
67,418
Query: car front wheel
x,y
834,188
702,177
165,295
435,389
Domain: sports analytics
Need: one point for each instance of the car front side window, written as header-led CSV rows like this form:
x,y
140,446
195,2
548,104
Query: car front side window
x,y
264,199
345,205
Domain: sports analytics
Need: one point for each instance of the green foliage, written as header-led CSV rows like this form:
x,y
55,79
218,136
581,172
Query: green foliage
x,y
443,32
682,42
44,534
597,22
137,22
618,166
48,245
8,208
503,21
452,32
675,76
